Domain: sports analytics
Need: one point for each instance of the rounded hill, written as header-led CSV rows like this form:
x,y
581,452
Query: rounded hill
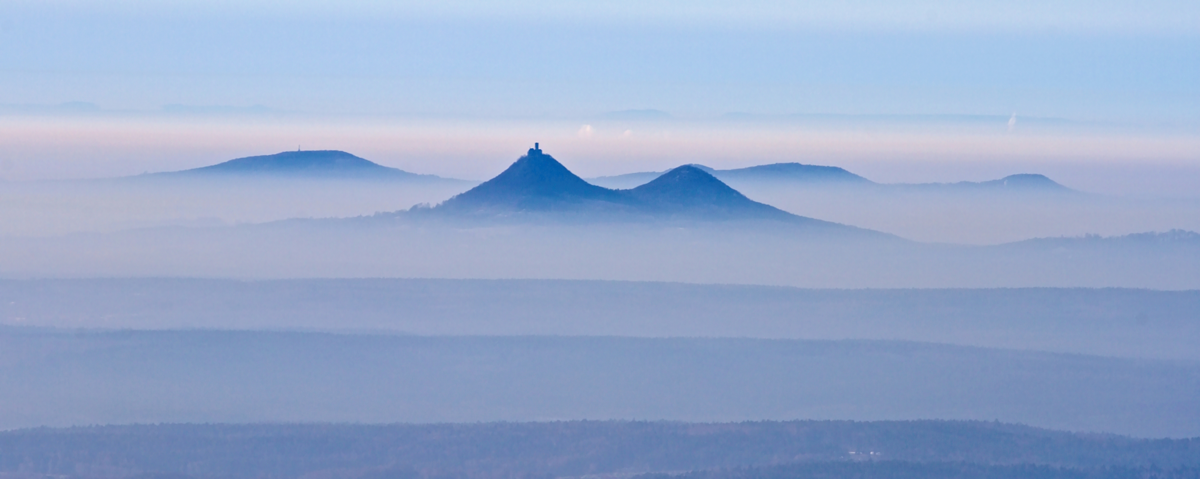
x,y
314,163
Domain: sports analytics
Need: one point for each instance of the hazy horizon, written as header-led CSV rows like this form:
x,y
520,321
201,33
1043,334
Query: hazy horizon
x,y
391,240
1105,98
947,149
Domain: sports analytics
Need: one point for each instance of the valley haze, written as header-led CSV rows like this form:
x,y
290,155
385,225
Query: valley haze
x,y
533,239
260,189
537,219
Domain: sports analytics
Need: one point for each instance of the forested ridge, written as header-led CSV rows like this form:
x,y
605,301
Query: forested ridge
x,y
891,449
930,470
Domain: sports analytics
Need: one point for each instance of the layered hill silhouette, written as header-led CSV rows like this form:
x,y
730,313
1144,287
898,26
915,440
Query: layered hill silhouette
x,y
775,173
537,183
1019,183
1025,181
1171,238
315,164
802,175
688,189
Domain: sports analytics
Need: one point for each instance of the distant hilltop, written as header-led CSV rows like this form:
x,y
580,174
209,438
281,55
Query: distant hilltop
x,y
1024,180
310,164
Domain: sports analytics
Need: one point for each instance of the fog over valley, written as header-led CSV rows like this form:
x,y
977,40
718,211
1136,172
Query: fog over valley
x,y
1129,323
981,213
205,377
539,220
532,239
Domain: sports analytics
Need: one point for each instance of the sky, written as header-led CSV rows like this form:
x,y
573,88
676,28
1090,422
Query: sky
x,y
897,91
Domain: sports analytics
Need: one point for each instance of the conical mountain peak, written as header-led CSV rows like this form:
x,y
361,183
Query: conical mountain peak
x,y
535,181
540,174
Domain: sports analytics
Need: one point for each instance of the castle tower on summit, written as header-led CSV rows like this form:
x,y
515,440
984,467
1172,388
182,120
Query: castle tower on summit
x,y
535,150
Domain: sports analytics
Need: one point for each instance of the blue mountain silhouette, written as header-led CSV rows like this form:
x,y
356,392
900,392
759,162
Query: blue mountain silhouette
x,y
306,164
1027,181
688,189
535,182
538,183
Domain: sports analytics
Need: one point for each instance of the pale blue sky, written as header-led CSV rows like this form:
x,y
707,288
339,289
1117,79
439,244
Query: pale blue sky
x,y
1095,72
1112,61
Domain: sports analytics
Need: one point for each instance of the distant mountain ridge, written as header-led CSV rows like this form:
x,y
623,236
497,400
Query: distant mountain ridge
x,y
1024,180
537,183
775,172
799,174
928,449
793,171
311,164
1171,237
1027,182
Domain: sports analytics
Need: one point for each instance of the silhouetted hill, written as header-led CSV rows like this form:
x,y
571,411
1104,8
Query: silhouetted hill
x,y
689,189
1025,182
305,164
537,183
